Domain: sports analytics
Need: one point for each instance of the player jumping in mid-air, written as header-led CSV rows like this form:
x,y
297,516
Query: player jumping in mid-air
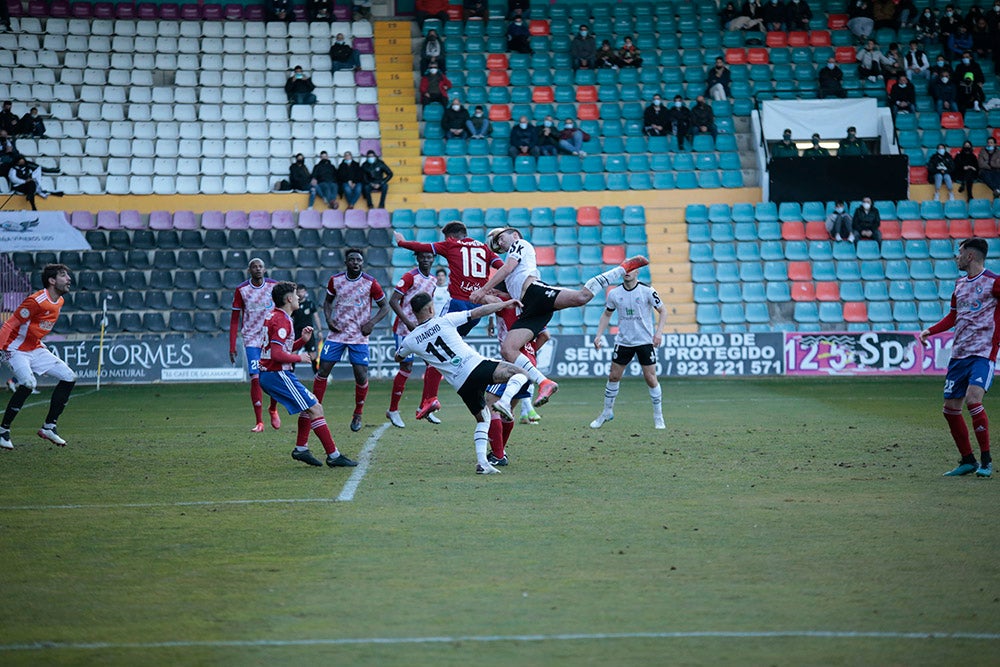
x,y
469,263
277,378
415,281
351,322
521,275
21,344
436,340
635,302
251,303
975,315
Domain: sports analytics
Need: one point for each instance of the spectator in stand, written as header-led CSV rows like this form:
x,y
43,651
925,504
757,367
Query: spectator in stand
x,y
893,66
947,26
571,138
518,36
839,223
928,28
717,81
870,60
454,121
993,16
26,177
320,10
299,178
323,182
750,18
5,16
523,139
940,67
941,166
280,10
434,86
479,125
959,43
906,14
32,124
851,145
583,49
548,137
884,14
860,19
944,92
815,150
797,15
430,9
300,87
916,63
361,10
969,94
786,147
902,97
867,223
377,177
989,166
343,55
982,40
351,177
8,120
728,16
968,65
628,55
831,80
679,121
432,50
966,169
703,118
475,10
518,8
655,119
8,152
773,14
606,57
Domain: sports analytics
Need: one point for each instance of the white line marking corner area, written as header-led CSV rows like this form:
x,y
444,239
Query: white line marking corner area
x,y
481,639
364,460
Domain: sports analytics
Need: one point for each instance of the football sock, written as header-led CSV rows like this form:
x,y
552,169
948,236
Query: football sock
x,y
526,403
320,428
398,385
656,395
959,431
514,385
496,435
60,397
610,394
319,387
302,435
360,393
980,426
273,407
481,438
598,283
432,380
14,405
256,397
507,428
529,369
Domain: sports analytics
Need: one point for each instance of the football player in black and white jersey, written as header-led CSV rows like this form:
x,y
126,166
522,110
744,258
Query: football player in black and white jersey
x,y
635,303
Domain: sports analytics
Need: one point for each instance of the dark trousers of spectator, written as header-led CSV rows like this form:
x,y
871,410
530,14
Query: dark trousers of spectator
x,y
865,72
832,92
383,190
965,183
992,180
302,98
710,129
28,190
435,97
354,63
876,236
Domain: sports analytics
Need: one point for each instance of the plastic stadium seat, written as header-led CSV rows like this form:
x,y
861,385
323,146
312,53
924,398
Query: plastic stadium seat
x,y
806,312
855,311
800,271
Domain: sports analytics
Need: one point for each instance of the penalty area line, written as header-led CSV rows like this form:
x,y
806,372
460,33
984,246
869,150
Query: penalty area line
x,y
364,460
717,634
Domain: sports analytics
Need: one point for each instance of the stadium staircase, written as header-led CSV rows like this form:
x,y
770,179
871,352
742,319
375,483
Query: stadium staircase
x,y
397,107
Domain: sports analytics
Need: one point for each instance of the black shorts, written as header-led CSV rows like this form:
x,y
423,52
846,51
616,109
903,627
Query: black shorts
x,y
538,304
473,390
624,353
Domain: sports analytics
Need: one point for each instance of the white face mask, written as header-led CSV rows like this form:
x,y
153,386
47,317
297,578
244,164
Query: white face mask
x,y
965,61
940,151
348,160
547,123
456,107
944,79
990,148
839,209
479,114
371,159
583,33
432,70
678,105
523,126
866,206
831,65
569,126
657,103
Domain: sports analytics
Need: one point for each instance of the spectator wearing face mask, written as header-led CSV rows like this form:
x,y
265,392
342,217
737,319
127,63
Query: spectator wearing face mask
x,y
902,97
523,139
606,58
717,81
773,13
655,119
703,118
927,27
31,124
839,223
548,137
815,150
434,86
852,145
299,88
679,121
628,55
941,166
377,177
916,63
454,121
969,94
870,61
948,25
944,92
968,65
989,166
299,177
786,147
432,50
797,15
966,169
583,49
518,36
323,182
343,55
351,177
571,138
479,125
8,152
831,80
867,222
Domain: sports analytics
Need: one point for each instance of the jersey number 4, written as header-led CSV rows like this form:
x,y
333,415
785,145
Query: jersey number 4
x,y
474,262
439,346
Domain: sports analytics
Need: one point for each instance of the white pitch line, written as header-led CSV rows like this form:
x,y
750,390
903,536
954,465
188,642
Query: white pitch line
x,y
179,503
712,634
364,459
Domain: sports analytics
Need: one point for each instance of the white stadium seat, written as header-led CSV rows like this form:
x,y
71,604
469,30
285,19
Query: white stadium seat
x,y
102,27
116,185
142,166
67,184
166,148
93,166
165,166
187,185
140,185
211,185
234,185
164,184
91,185
124,27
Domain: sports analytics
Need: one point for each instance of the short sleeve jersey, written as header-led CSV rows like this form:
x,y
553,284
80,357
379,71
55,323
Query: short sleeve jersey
x,y
469,263
975,304
279,329
352,305
31,321
635,313
438,342
527,267
254,302
412,283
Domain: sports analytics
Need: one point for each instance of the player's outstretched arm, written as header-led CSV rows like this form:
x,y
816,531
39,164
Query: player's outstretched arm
x,y
490,308
479,296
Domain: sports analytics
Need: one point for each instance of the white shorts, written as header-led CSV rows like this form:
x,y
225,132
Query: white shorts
x,y
40,361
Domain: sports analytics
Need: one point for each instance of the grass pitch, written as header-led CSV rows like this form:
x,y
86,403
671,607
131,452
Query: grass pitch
x,y
776,521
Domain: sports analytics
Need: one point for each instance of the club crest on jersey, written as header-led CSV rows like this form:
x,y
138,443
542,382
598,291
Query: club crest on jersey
x,y
282,332
24,313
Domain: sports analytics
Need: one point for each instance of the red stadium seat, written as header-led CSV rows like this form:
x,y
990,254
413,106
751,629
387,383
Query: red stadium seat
x,y
613,254
836,21
828,291
545,255
855,311
434,166
891,230
844,54
499,112
918,175
798,38
952,120
960,229
757,56
912,229
803,291
455,13
586,93
538,28
801,271
776,39
793,231
819,38
588,112
936,229
816,231
496,61
736,56
985,228
542,95
497,78
588,216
